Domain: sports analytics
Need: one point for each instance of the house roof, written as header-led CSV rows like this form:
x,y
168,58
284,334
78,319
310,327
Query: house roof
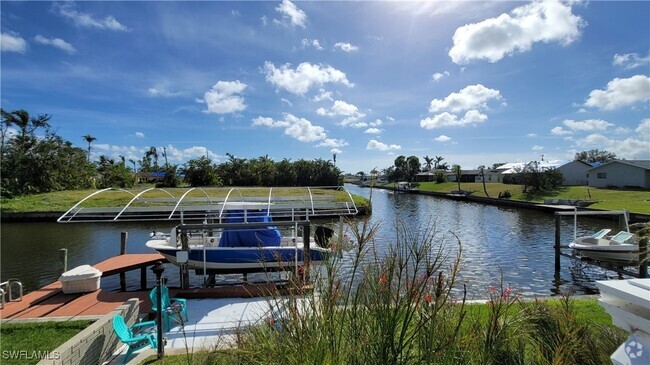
x,y
643,164
578,161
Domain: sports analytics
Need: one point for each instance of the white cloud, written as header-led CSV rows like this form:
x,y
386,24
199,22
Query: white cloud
x,y
537,148
332,142
346,47
176,155
161,91
439,75
336,151
620,93
80,19
450,120
376,123
313,43
590,125
644,128
373,131
304,77
629,148
559,131
324,95
471,97
442,138
223,98
531,135
12,43
291,13
376,145
494,38
630,60
269,122
56,42
344,109
298,128
139,134
302,130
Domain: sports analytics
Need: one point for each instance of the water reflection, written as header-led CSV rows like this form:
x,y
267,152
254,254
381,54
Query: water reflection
x,y
497,242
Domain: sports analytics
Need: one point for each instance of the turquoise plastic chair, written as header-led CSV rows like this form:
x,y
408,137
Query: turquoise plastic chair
x,y
166,303
130,337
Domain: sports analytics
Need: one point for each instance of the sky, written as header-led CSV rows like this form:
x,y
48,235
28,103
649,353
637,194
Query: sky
x,y
475,82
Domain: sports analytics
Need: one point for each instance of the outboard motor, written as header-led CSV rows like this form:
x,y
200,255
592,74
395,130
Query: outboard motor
x,y
322,236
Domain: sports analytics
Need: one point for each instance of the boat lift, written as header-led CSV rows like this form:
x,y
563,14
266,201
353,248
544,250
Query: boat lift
x,y
623,221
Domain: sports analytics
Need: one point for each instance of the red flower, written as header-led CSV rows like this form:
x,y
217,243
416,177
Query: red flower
x,y
427,298
383,280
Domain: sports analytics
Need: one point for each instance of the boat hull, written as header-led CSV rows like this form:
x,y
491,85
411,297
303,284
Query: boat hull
x,y
604,250
243,259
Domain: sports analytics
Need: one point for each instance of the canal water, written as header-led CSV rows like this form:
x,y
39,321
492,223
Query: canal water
x,y
498,243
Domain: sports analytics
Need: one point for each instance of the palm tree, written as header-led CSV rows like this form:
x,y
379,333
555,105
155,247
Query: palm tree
x,y
90,140
437,161
458,172
27,125
133,162
153,151
427,163
482,168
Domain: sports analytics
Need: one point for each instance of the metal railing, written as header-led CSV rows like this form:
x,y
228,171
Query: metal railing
x,y
7,288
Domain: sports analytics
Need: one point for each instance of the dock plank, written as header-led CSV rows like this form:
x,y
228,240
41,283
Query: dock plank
x,y
30,299
48,305
127,262
101,302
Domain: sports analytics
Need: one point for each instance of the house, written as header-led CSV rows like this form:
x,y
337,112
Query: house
x,y
574,173
620,173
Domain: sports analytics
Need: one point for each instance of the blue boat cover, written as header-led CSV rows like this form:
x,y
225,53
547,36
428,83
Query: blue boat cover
x,y
249,237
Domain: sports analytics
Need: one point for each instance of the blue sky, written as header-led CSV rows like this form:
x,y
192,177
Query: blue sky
x,y
475,82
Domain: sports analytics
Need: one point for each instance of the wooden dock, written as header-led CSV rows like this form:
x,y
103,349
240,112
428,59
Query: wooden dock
x,y
50,301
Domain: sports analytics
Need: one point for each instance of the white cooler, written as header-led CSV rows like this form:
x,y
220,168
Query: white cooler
x,y
81,279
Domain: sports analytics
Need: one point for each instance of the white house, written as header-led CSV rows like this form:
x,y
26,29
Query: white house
x,y
620,173
574,173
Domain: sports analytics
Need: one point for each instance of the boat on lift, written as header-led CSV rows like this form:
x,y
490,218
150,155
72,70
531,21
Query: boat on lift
x,y
236,230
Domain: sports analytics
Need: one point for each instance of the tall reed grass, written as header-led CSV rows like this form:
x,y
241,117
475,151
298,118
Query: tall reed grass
x,y
398,308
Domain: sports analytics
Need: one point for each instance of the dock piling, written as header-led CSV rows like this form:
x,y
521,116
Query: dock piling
x,y
63,258
557,245
123,238
643,257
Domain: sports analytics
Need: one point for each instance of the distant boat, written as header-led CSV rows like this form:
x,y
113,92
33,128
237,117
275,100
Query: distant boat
x,y
405,187
621,248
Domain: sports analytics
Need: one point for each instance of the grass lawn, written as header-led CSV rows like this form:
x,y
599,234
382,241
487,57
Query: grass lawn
x,y
61,201
35,338
637,201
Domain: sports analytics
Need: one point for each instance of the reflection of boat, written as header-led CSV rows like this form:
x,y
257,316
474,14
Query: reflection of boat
x,y
621,248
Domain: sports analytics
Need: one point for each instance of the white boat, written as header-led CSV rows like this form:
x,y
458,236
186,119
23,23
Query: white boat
x,y
621,248
239,230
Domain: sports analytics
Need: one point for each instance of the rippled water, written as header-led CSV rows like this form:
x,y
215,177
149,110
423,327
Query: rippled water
x,y
515,243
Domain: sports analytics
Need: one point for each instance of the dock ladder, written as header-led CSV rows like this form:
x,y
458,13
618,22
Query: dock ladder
x,y
7,288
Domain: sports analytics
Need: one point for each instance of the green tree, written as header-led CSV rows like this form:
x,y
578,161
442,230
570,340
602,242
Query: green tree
x,y
112,174
412,168
436,162
595,155
32,164
428,163
201,172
